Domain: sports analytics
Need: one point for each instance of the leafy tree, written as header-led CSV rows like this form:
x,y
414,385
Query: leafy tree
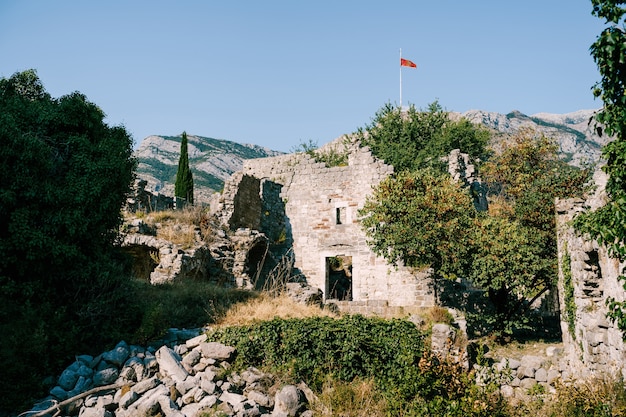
x,y
415,139
184,178
421,218
509,264
608,224
518,238
64,175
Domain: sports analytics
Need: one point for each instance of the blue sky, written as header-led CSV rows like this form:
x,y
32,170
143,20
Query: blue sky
x,y
280,73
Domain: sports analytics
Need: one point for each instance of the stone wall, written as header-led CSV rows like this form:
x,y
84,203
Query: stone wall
x,y
141,199
314,209
587,278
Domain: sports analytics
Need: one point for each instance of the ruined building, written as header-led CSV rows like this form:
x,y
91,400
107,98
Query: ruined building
x,y
313,209
588,278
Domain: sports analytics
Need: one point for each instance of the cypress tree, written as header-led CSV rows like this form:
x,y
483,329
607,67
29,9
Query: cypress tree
x,y
184,179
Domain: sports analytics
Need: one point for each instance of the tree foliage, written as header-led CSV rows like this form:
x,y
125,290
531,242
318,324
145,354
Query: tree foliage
x,y
509,264
183,187
518,237
64,176
608,224
414,139
526,176
422,219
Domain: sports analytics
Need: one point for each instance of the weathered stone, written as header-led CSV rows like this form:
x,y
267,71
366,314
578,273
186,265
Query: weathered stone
x,y
199,367
528,383
184,386
169,408
208,386
195,341
235,400
127,399
150,363
442,338
105,377
148,404
169,364
190,396
59,393
288,402
261,399
552,351
118,355
181,350
193,409
541,375
252,375
217,351
192,358
94,412
531,361
513,363
525,372
137,365
507,391
68,379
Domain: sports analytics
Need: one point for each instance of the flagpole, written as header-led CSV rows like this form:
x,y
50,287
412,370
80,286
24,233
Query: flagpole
x,y
400,79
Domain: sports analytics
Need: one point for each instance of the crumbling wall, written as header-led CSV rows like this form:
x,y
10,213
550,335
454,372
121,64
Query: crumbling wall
x,y
321,222
588,276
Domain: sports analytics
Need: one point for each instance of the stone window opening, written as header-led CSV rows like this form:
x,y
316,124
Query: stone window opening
x,y
339,278
341,214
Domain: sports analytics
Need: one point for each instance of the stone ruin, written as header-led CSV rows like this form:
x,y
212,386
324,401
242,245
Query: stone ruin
x,y
588,278
304,205
292,208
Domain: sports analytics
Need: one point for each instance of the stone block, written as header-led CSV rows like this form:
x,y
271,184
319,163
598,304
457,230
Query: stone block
x,y
541,375
525,372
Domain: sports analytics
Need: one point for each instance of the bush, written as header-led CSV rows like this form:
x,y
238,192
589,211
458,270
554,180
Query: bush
x,y
64,176
354,349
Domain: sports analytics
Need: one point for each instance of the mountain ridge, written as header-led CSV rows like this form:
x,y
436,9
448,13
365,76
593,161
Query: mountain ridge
x,y
213,161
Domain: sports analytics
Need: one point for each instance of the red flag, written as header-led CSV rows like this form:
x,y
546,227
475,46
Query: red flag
x,y
407,63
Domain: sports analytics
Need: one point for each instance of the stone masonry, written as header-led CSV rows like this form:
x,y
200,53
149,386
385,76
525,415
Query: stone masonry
x,y
588,277
314,209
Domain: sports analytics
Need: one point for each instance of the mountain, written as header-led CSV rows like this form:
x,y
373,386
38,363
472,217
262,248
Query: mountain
x,y
578,141
211,161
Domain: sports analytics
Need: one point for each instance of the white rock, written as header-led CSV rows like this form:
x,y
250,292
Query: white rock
x,y
169,364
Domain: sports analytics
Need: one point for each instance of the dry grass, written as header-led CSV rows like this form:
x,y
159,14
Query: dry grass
x,y
179,234
516,349
265,307
182,227
592,398
355,399
189,215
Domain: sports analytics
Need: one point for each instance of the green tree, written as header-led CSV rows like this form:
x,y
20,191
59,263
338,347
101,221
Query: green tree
x,y
508,263
422,219
608,224
515,246
414,139
184,178
64,176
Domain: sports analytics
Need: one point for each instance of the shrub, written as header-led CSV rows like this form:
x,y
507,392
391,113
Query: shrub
x,y
353,349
